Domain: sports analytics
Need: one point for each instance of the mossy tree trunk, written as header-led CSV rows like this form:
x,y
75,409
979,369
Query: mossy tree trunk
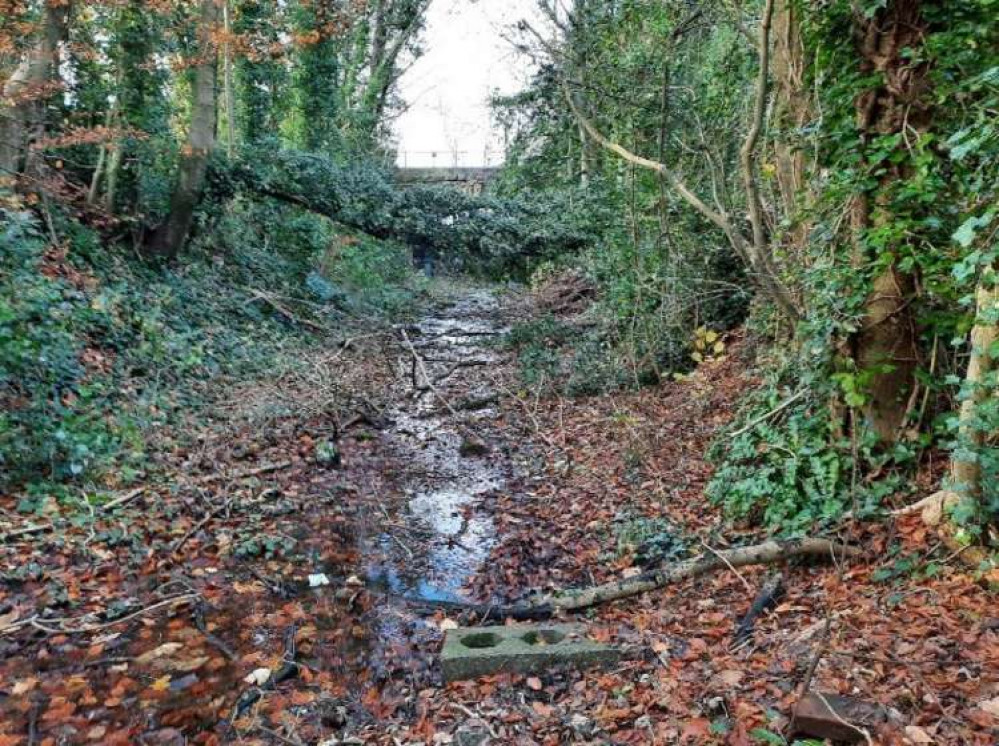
x,y
884,348
22,107
167,240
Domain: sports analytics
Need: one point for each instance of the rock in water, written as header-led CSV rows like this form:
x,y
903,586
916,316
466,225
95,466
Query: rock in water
x,y
472,447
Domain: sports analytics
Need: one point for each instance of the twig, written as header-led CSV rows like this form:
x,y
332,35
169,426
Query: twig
x,y
780,408
25,532
430,384
278,736
42,623
123,499
202,523
269,300
245,474
199,622
822,646
461,708
729,565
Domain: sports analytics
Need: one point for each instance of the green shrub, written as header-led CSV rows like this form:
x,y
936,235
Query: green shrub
x,y
783,464
56,416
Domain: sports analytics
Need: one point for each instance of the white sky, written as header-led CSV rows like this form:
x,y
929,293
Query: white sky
x,y
448,88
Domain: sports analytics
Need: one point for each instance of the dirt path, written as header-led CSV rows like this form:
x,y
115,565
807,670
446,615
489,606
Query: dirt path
x,y
288,576
305,524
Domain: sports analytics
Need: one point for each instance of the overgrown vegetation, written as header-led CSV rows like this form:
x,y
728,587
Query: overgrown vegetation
x,y
98,351
700,165
831,178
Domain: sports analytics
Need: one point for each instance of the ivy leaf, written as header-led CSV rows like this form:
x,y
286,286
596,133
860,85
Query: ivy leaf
x,y
965,235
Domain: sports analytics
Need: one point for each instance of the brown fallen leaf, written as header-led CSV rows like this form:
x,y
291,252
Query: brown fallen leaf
x,y
916,735
991,706
542,709
167,648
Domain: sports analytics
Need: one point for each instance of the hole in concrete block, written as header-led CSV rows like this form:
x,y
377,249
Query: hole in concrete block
x,y
543,637
483,640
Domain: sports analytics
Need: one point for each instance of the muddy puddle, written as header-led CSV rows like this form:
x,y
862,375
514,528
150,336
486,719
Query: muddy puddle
x,y
437,437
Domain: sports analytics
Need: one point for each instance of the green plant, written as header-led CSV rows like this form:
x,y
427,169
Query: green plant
x,y
785,463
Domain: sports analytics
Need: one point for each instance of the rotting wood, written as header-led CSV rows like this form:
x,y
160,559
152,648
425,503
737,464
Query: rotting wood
x,y
768,552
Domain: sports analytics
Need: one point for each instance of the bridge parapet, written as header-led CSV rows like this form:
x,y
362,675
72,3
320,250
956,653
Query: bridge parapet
x,y
470,179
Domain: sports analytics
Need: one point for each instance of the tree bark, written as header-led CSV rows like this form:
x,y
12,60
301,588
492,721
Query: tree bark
x,y
793,111
230,97
966,472
885,345
22,113
168,240
767,553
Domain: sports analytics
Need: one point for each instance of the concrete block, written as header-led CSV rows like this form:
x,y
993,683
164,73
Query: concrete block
x,y
471,652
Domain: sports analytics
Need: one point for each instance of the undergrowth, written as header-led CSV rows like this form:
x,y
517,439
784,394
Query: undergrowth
x,y
99,349
786,464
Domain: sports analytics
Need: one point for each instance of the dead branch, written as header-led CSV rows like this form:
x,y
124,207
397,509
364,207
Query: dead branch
x,y
771,591
45,624
202,523
123,499
265,469
769,552
284,311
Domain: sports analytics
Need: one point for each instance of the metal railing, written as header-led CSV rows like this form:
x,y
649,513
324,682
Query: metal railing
x,y
442,159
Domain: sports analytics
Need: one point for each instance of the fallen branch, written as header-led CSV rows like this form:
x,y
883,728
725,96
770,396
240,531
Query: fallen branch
x,y
26,531
767,553
284,311
123,499
767,598
266,469
44,624
202,523
763,418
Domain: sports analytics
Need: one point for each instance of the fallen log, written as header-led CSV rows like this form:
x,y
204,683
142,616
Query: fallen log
x,y
767,553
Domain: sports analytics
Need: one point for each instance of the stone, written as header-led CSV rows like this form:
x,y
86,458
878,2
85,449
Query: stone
x,y
471,652
836,718
472,735
472,447
582,726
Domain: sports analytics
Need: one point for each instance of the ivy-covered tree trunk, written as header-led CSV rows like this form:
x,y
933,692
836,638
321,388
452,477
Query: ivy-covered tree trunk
x,y
169,238
22,111
792,111
141,107
884,348
260,80
966,470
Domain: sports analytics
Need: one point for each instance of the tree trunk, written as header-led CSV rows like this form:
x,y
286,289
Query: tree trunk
x,y
22,113
966,472
167,241
230,97
885,345
793,112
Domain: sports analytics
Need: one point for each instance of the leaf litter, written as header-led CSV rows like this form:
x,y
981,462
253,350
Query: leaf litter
x,y
306,603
